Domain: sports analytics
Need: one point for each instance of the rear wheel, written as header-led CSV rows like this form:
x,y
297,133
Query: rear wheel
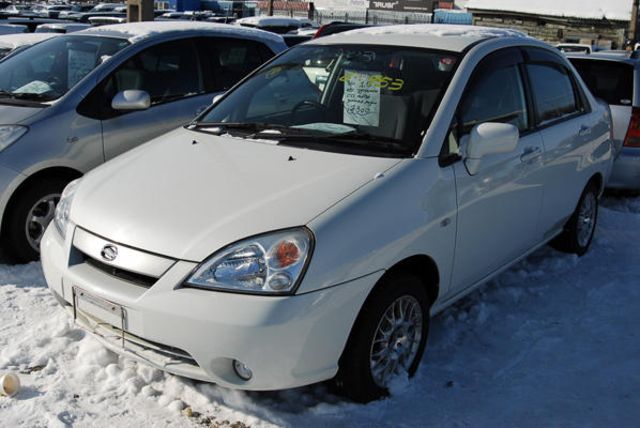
x,y
387,340
28,217
579,230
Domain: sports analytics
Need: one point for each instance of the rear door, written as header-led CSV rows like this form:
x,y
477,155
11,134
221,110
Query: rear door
x,y
562,115
612,82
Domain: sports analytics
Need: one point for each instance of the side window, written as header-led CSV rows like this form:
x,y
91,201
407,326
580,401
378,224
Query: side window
x,y
496,95
553,91
168,71
232,59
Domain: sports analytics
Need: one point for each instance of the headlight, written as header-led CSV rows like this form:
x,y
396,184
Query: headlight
x,y
63,208
10,133
267,264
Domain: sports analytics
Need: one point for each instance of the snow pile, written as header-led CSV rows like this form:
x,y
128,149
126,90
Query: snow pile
x,y
553,341
615,10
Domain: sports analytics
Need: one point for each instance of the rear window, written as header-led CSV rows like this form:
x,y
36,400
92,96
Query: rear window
x,y
608,80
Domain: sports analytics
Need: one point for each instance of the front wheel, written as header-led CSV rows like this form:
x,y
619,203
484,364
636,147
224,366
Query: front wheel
x,y
579,230
28,217
387,340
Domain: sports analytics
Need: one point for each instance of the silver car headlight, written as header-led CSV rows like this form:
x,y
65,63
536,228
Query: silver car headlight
x,y
272,263
9,134
61,218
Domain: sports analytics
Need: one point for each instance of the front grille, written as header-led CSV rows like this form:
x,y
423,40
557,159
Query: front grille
x,y
134,277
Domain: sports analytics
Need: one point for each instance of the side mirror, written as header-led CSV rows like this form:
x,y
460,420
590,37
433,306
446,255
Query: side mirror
x,y
488,139
130,100
217,98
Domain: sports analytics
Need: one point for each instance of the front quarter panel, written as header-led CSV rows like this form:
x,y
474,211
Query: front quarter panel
x,y
408,211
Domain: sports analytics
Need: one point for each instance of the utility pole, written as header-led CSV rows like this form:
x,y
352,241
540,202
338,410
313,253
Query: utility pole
x,y
270,10
633,26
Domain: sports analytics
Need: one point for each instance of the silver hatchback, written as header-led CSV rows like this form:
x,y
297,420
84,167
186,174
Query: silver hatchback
x,y
615,79
75,101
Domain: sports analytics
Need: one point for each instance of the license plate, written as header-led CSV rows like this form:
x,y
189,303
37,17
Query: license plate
x,y
98,308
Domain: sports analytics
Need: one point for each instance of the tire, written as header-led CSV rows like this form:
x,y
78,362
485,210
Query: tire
x,y
575,238
21,236
356,378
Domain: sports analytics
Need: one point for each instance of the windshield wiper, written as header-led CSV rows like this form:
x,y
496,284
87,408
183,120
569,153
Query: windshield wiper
x,y
360,139
220,128
25,96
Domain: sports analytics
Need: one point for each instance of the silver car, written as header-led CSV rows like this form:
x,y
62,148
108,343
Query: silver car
x,y
615,79
73,102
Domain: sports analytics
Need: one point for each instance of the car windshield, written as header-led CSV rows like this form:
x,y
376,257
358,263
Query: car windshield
x,y
48,70
374,100
4,52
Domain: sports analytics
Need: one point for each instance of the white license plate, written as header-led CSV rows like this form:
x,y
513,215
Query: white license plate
x,y
98,308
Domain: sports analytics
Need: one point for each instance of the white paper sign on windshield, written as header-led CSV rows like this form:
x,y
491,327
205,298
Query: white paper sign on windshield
x,y
80,63
361,100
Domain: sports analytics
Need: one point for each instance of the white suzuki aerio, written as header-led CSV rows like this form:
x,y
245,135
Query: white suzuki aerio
x,y
307,225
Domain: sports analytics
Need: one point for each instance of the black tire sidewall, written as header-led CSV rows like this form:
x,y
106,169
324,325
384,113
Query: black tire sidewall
x,y
580,250
354,375
15,243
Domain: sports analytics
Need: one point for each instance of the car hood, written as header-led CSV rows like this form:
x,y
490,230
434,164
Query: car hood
x,y
15,115
187,194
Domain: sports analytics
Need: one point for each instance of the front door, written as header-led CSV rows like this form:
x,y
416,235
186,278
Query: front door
x,y
499,205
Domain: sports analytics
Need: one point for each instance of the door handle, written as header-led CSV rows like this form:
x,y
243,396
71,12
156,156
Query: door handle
x,y
530,154
584,130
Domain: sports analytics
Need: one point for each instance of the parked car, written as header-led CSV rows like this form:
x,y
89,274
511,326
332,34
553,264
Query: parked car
x,y
12,43
574,48
72,102
61,28
275,24
12,29
337,27
75,9
615,80
306,226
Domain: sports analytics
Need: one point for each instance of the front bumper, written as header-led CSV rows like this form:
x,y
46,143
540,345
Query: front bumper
x,y
286,341
626,170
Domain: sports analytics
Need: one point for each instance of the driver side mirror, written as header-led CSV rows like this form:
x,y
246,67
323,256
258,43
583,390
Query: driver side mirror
x,y
217,98
487,139
132,99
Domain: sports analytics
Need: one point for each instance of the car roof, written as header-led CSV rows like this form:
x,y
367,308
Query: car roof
x,y
623,57
138,31
16,40
455,38
269,21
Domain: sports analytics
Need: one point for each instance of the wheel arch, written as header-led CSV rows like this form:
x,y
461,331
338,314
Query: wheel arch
x,y
41,175
598,181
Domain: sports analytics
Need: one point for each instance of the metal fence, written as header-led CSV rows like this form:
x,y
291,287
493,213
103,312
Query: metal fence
x,y
363,16
370,16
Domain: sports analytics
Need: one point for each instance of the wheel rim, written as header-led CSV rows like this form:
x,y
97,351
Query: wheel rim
x,y
586,219
396,340
39,217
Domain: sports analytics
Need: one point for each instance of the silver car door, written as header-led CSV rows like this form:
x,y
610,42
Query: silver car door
x,y
172,76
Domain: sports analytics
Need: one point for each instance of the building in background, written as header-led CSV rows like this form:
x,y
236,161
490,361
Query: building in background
x,y
601,23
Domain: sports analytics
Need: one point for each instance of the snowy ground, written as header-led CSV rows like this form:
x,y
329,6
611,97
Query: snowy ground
x,y
552,342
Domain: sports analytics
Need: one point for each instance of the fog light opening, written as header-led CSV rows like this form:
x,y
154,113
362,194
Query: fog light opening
x,y
242,371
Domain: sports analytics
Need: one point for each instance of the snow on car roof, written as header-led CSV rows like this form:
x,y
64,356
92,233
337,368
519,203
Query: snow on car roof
x,y
13,41
269,21
137,31
434,36
616,10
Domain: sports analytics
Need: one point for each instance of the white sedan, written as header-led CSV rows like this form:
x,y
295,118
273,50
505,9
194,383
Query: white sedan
x,y
308,225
